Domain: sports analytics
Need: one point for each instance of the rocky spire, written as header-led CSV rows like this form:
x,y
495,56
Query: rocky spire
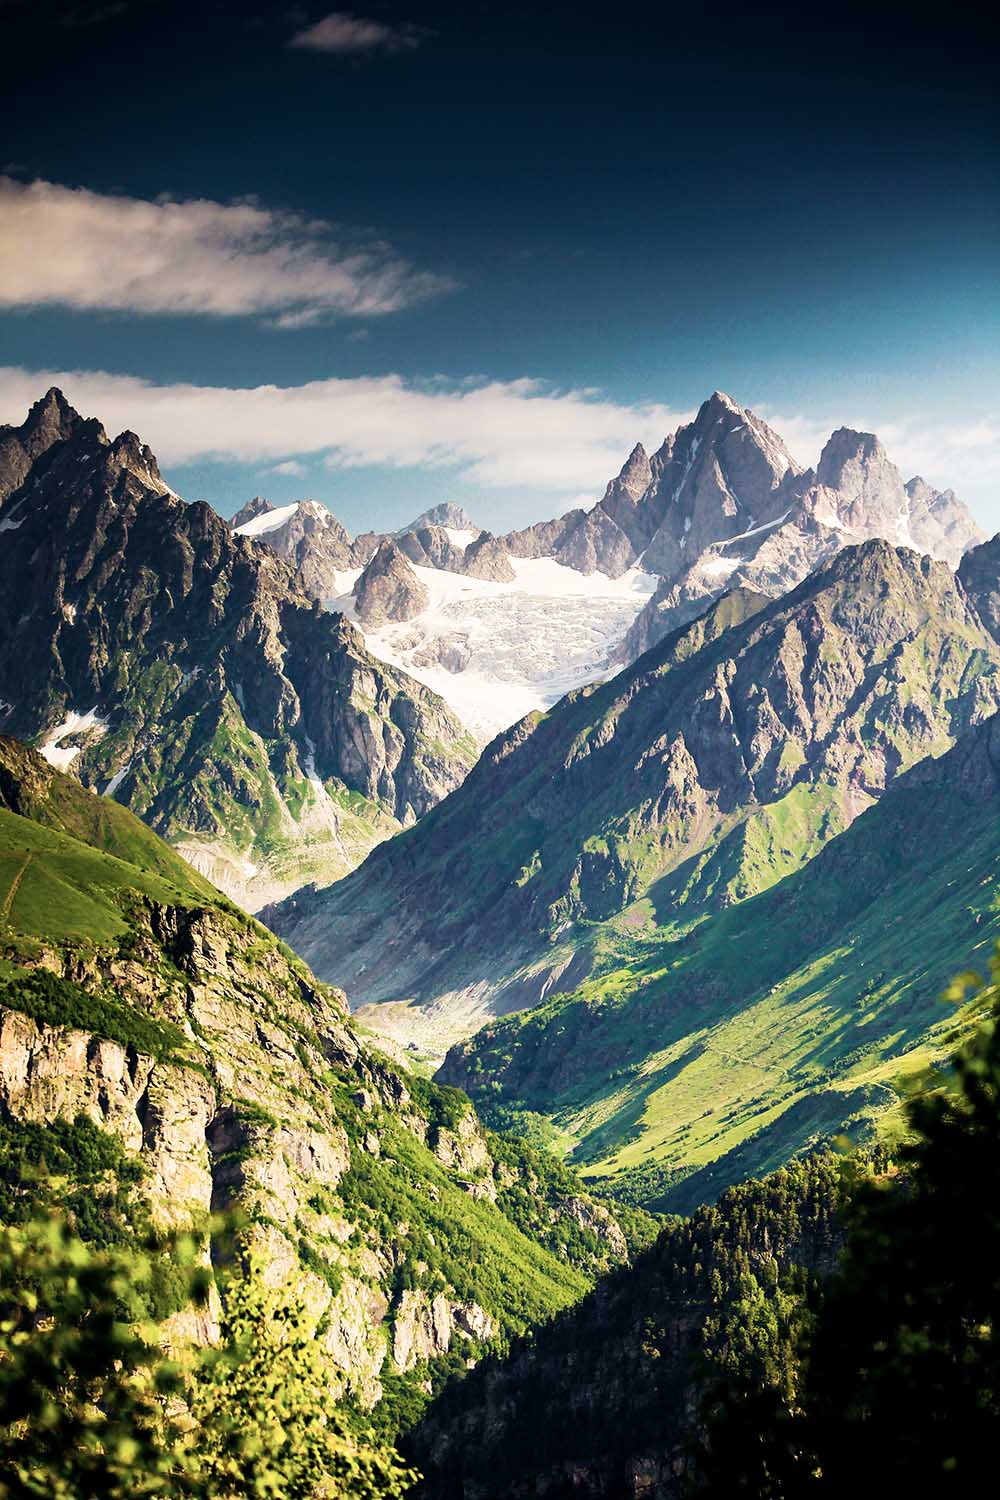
x,y
258,506
388,589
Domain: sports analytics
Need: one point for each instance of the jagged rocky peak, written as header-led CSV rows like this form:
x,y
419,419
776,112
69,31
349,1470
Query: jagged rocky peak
x,y
636,472
51,420
389,589
487,557
940,522
869,488
258,506
859,484
448,514
718,477
847,459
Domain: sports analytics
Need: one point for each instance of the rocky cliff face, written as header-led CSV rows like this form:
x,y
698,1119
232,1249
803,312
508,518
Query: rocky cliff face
x,y
437,547
234,1078
185,669
317,546
725,757
979,576
718,476
388,589
738,519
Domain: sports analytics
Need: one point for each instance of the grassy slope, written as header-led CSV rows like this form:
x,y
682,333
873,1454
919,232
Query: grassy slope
x,y
54,887
697,1058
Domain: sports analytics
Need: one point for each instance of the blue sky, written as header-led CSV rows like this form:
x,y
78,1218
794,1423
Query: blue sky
x,y
477,251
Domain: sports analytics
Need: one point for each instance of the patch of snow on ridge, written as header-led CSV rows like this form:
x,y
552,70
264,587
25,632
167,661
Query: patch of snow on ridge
x,y
496,651
271,520
720,567
74,723
117,779
343,583
756,530
8,523
461,539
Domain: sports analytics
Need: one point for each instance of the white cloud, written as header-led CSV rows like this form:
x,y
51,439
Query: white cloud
x,y
517,434
291,468
497,434
959,455
342,33
75,248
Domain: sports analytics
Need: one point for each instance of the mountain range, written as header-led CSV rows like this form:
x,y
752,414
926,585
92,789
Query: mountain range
x,y
186,671
217,679
627,863
684,920
721,504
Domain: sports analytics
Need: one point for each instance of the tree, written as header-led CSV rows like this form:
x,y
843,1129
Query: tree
x,y
264,1424
83,1388
91,1409
904,1375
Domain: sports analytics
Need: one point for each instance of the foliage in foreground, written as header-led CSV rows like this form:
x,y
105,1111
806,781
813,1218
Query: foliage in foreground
x,y
90,1405
900,1384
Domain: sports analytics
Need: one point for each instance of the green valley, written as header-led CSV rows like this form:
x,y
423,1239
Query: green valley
x,y
696,1055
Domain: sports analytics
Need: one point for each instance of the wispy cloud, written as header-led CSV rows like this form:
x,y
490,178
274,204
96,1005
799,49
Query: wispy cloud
x,y
959,455
517,434
75,248
497,434
344,34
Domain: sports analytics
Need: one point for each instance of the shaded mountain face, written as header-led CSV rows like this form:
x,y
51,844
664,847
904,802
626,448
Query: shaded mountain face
x,y
139,1007
979,575
185,669
722,760
692,1059
603,1403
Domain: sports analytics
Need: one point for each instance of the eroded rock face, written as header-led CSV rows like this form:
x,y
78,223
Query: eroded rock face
x,y
426,1326
388,589
464,1148
214,1140
487,557
791,522
260,1098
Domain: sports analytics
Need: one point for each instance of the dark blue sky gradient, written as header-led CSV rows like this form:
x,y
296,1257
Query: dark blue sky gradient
x,y
798,206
